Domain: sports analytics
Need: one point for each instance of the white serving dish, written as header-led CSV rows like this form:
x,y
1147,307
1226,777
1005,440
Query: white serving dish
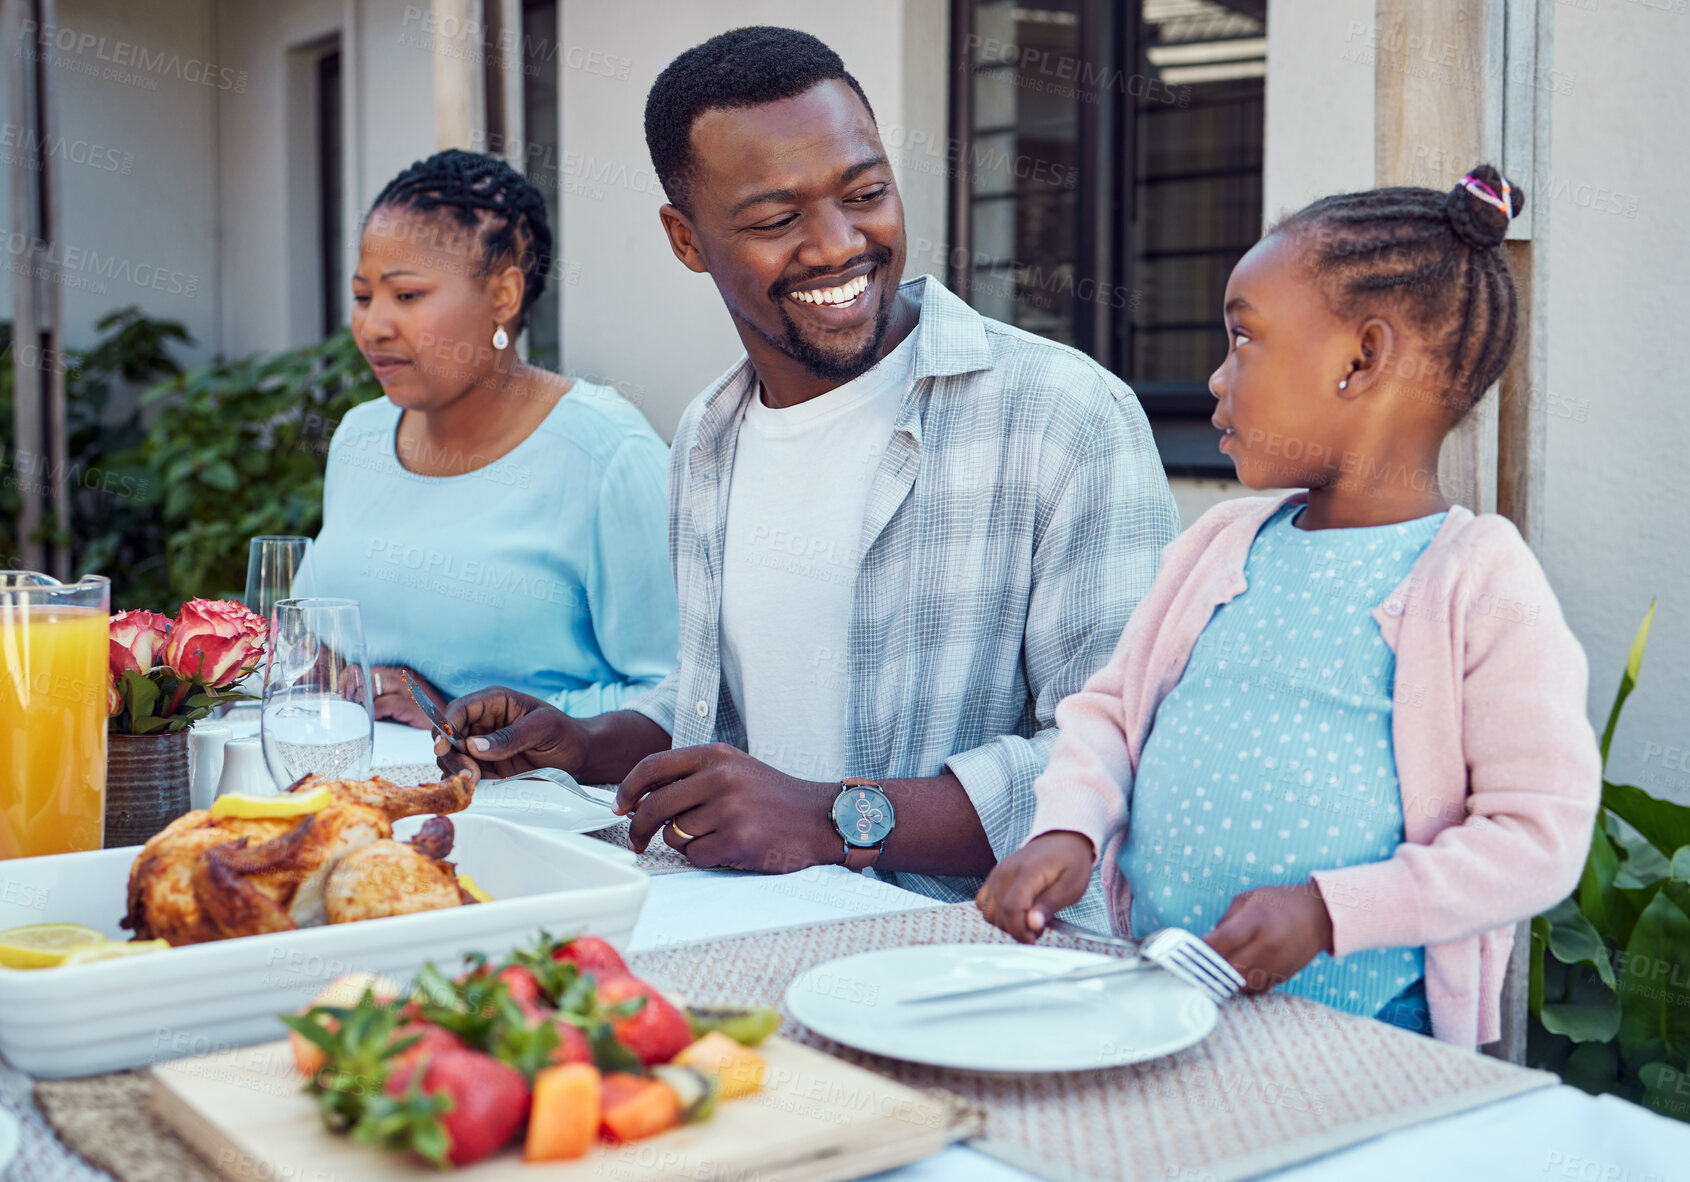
x,y
196,1000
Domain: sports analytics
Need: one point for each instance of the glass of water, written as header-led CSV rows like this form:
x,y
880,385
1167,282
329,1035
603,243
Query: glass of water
x,y
277,567
319,716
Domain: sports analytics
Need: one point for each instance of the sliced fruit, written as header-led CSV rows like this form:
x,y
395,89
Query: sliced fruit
x,y
748,1025
740,1071
286,804
655,1031
695,1089
633,1107
114,950
44,945
563,1122
472,889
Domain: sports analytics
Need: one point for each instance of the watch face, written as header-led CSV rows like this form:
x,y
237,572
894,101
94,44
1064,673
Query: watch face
x,y
864,815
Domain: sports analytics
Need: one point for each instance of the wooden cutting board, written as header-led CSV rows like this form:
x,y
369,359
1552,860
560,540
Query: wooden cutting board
x,y
817,1119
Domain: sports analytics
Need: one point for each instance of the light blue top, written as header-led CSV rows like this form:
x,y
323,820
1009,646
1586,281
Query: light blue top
x,y
546,571
1272,757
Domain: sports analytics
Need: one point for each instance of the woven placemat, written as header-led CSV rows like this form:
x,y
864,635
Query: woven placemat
x,y
658,857
109,1120
1280,1080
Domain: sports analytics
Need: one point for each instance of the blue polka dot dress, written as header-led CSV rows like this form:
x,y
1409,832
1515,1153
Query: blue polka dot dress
x,y
1272,757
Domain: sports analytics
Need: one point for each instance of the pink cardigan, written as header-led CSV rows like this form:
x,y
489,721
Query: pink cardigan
x,y
1497,763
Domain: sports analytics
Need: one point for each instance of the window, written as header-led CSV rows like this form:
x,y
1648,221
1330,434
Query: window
x,y
330,233
540,133
1108,178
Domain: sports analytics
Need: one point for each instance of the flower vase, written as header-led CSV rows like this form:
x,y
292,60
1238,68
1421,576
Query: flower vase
x,y
146,785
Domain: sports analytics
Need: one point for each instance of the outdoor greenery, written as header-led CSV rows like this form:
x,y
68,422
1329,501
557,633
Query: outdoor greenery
x,y
167,494
1610,965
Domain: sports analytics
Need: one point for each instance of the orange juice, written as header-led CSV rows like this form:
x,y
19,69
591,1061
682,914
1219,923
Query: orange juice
x,y
53,678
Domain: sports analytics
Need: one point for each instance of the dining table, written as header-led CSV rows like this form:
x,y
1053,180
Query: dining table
x,y
1543,1132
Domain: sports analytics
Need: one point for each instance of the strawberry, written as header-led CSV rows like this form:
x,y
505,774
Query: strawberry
x,y
524,989
656,1031
455,1106
429,1040
592,955
573,1045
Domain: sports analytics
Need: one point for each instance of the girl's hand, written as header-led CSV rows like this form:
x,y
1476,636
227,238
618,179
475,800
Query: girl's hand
x,y
1269,934
1035,882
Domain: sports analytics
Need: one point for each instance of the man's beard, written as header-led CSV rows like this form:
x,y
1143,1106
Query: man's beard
x,y
828,365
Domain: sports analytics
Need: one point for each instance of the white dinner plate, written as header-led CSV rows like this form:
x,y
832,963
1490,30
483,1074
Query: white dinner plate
x,y
542,805
1073,1026
10,1138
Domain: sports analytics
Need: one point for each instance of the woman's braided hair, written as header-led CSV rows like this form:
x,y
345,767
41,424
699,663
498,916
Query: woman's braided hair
x,y
1436,258
486,195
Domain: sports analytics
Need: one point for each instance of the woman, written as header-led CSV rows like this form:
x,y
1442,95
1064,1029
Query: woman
x,y
500,525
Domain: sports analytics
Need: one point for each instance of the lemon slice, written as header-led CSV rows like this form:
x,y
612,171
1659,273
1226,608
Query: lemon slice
x,y
475,892
287,804
44,945
113,950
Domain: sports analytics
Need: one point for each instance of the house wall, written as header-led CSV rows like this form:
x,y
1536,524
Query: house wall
x,y
388,81
632,315
1616,400
137,209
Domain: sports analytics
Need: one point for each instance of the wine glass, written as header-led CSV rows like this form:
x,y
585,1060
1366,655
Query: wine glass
x,y
318,715
278,567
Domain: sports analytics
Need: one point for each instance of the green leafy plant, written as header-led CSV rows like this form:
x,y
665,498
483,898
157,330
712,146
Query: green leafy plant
x,y
1610,965
238,449
113,526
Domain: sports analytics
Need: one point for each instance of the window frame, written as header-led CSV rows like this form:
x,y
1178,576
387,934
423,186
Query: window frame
x,y
1106,152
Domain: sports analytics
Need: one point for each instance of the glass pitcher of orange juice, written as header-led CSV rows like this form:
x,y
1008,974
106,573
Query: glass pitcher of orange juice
x,y
53,695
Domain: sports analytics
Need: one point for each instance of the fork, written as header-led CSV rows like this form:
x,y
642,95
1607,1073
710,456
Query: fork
x,y
1190,959
552,775
1178,951
1173,950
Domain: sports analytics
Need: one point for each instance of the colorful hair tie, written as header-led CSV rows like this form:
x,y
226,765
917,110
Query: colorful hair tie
x,y
1488,195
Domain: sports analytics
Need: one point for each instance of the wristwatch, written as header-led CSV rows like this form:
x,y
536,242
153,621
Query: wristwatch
x,y
862,816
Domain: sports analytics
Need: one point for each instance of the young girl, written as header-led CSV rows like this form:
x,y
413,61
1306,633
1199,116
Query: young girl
x,y
1347,726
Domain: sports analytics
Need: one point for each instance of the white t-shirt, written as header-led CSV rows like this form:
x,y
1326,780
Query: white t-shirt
x,y
800,487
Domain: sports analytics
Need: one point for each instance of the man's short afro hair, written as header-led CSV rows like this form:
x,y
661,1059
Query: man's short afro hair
x,y
746,67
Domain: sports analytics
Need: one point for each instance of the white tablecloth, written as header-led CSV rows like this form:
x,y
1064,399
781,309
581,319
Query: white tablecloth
x,y
1542,1136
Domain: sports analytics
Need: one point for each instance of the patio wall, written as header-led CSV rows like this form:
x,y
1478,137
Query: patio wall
x,y
1618,533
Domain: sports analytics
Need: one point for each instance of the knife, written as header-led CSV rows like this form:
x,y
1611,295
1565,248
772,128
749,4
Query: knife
x,y
430,710
1090,972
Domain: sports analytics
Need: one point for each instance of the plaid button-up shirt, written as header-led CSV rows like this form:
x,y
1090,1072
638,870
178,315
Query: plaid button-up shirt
x,y
1014,521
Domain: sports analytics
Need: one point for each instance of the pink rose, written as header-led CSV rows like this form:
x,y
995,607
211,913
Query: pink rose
x,y
215,642
136,638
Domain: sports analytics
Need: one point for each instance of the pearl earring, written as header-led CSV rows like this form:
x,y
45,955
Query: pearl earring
x,y
501,338
1344,385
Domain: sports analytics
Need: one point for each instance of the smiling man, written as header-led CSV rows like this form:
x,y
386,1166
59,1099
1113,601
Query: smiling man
x,y
901,532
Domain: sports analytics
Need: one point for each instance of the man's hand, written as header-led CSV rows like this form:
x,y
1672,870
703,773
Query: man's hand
x,y
510,733
395,701
731,810
1270,933
1030,886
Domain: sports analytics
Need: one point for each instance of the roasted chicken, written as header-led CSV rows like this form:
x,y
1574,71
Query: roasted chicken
x,y
206,878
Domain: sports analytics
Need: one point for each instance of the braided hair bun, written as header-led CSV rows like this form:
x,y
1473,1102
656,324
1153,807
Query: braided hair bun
x,y
484,194
1481,205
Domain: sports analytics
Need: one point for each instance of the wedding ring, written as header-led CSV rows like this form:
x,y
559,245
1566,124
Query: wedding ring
x,y
681,833
377,677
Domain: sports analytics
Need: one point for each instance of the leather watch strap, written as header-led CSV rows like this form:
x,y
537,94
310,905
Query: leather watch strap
x,y
861,857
